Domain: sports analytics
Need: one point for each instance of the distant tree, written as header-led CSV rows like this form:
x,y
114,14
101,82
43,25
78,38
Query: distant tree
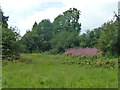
x,y
10,45
89,39
27,42
38,40
83,40
45,29
4,19
0,32
118,39
66,29
108,38
10,39
68,21
64,40
42,34
35,25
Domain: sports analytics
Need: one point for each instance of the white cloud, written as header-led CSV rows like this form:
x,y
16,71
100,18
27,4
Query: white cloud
x,y
22,4
39,16
23,13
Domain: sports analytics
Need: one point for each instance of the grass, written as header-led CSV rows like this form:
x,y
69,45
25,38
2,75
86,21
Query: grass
x,y
47,71
0,73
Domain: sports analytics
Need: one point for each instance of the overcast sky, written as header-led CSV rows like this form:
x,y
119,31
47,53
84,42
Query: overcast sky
x,y
23,13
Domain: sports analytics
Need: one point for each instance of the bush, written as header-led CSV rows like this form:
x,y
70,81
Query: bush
x,y
63,41
87,52
10,43
93,62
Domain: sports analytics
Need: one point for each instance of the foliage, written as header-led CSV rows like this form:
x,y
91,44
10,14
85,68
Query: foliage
x,y
66,29
87,52
90,70
46,71
16,59
10,43
118,39
108,38
46,35
10,39
38,39
60,35
91,61
4,19
89,39
68,21
83,40
105,38
45,29
64,40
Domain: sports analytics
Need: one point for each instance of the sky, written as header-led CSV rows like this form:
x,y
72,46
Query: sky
x,y
23,13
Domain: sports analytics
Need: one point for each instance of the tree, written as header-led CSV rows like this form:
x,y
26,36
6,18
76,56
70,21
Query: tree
x,y
66,29
89,39
4,19
108,38
44,34
93,36
38,40
10,39
27,42
35,25
118,41
67,22
0,32
45,29
64,40
10,45
83,40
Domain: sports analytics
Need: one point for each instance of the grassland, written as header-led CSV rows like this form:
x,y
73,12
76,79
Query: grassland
x,y
48,71
0,73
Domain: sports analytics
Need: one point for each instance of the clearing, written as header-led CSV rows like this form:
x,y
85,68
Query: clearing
x,y
47,71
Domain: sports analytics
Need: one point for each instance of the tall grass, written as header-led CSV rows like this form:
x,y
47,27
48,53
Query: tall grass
x,y
88,52
47,71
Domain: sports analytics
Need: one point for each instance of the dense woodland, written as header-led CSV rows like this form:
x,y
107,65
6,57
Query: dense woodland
x,y
61,34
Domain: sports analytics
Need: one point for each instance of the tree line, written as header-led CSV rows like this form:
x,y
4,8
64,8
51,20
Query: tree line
x,y
57,36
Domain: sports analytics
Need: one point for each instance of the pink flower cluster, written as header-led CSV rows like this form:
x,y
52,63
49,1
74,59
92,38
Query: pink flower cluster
x,y
88,52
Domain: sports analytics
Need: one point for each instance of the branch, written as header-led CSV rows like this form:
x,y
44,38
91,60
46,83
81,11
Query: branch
x,y
116,16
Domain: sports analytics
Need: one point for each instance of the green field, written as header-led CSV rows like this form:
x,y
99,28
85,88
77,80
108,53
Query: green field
x,y
48,71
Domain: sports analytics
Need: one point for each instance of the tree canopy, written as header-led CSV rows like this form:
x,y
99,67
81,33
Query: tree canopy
x,y
45,34
61,34
10,39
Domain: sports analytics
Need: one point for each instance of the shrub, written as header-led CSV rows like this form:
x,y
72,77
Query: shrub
x,y
87,52
64,40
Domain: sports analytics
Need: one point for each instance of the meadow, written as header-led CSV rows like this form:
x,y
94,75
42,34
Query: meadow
x,y
44,70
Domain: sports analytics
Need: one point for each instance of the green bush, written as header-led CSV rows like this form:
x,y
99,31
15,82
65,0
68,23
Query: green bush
x,y
93,62
10,42
63,41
